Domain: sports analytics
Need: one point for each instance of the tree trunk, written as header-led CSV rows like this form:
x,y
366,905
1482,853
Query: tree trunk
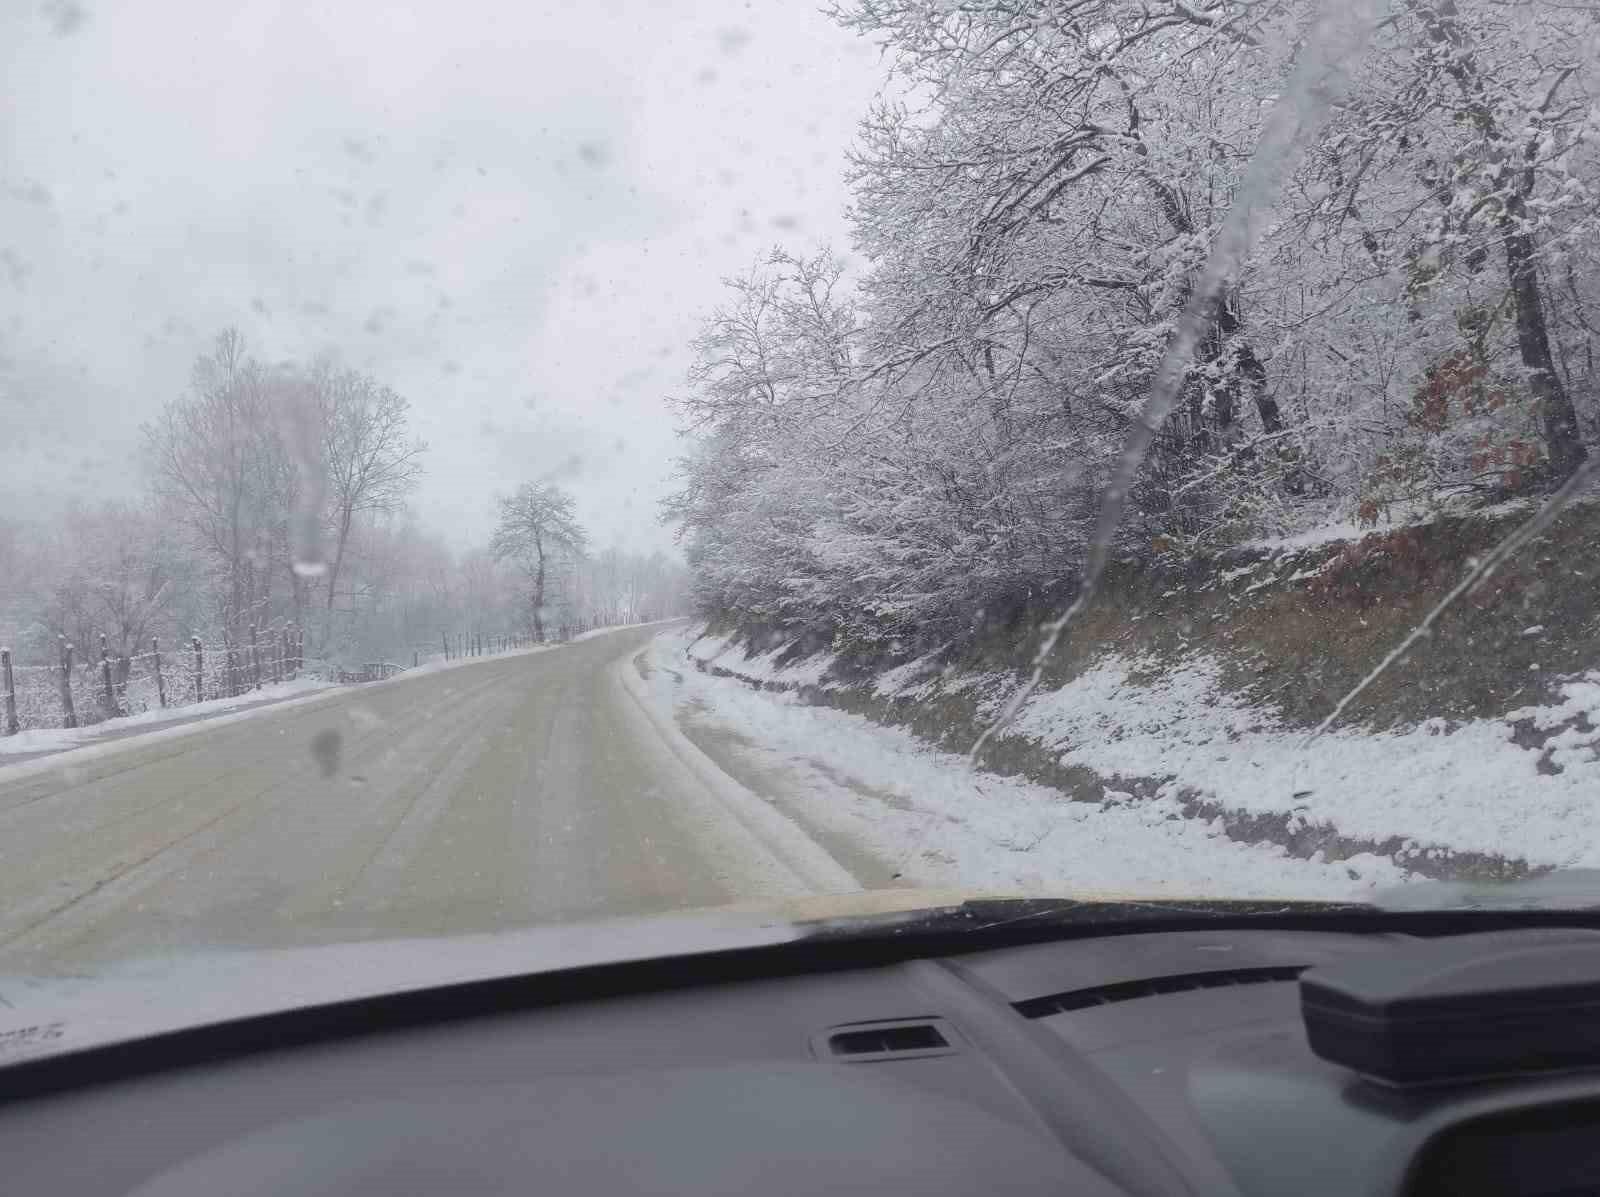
x,y
1563,441
538,594
1225,330
337,564
1246,366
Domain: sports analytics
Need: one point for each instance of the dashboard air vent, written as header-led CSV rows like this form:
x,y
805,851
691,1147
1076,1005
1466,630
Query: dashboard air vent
x,y
901,1039
1127,991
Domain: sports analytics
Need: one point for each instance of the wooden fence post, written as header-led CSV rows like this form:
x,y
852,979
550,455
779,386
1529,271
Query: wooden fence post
x,y
69,717
199,669
12,726
161,682
110,696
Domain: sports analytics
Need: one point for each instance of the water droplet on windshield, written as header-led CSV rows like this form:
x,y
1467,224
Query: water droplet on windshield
x,y
326,747
65,16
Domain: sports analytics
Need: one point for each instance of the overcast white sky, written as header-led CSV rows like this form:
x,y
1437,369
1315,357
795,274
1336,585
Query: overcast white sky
x,y
513,211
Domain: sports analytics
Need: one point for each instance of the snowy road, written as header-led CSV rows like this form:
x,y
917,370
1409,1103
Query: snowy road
x,y
523,789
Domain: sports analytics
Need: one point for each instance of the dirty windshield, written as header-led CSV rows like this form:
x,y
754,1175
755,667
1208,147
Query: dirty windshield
x,y
486,467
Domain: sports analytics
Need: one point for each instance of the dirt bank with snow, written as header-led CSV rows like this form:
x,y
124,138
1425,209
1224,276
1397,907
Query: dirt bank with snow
x,y
1477,756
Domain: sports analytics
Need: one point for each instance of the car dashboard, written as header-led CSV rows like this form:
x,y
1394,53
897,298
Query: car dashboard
x,y
1144,1063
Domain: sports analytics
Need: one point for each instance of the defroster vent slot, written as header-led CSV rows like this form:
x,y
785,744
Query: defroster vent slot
x,y
1127,991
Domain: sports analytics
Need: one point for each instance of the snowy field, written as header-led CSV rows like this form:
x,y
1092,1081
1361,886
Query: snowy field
x,y
1524,786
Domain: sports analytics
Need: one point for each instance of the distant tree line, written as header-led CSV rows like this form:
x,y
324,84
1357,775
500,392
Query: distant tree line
x,y
277,496
1414,328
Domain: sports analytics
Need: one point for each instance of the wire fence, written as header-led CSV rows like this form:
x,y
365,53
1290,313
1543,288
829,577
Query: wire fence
x,y
81,688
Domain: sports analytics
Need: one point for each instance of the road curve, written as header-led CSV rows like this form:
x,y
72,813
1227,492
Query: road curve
x,y
525,789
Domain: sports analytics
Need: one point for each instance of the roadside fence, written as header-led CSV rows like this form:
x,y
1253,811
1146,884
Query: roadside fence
x,y
85,687
455,646
82,688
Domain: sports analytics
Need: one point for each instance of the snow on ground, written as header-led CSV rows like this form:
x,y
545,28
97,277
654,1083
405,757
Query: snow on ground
x,y
55,739
940,822
1525,785
763,667
619,627
1326,530
59,739
1320,535
1469,787
438,664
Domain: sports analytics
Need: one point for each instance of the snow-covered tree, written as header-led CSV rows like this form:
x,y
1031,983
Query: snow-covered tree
x,y
1034,200
538,530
